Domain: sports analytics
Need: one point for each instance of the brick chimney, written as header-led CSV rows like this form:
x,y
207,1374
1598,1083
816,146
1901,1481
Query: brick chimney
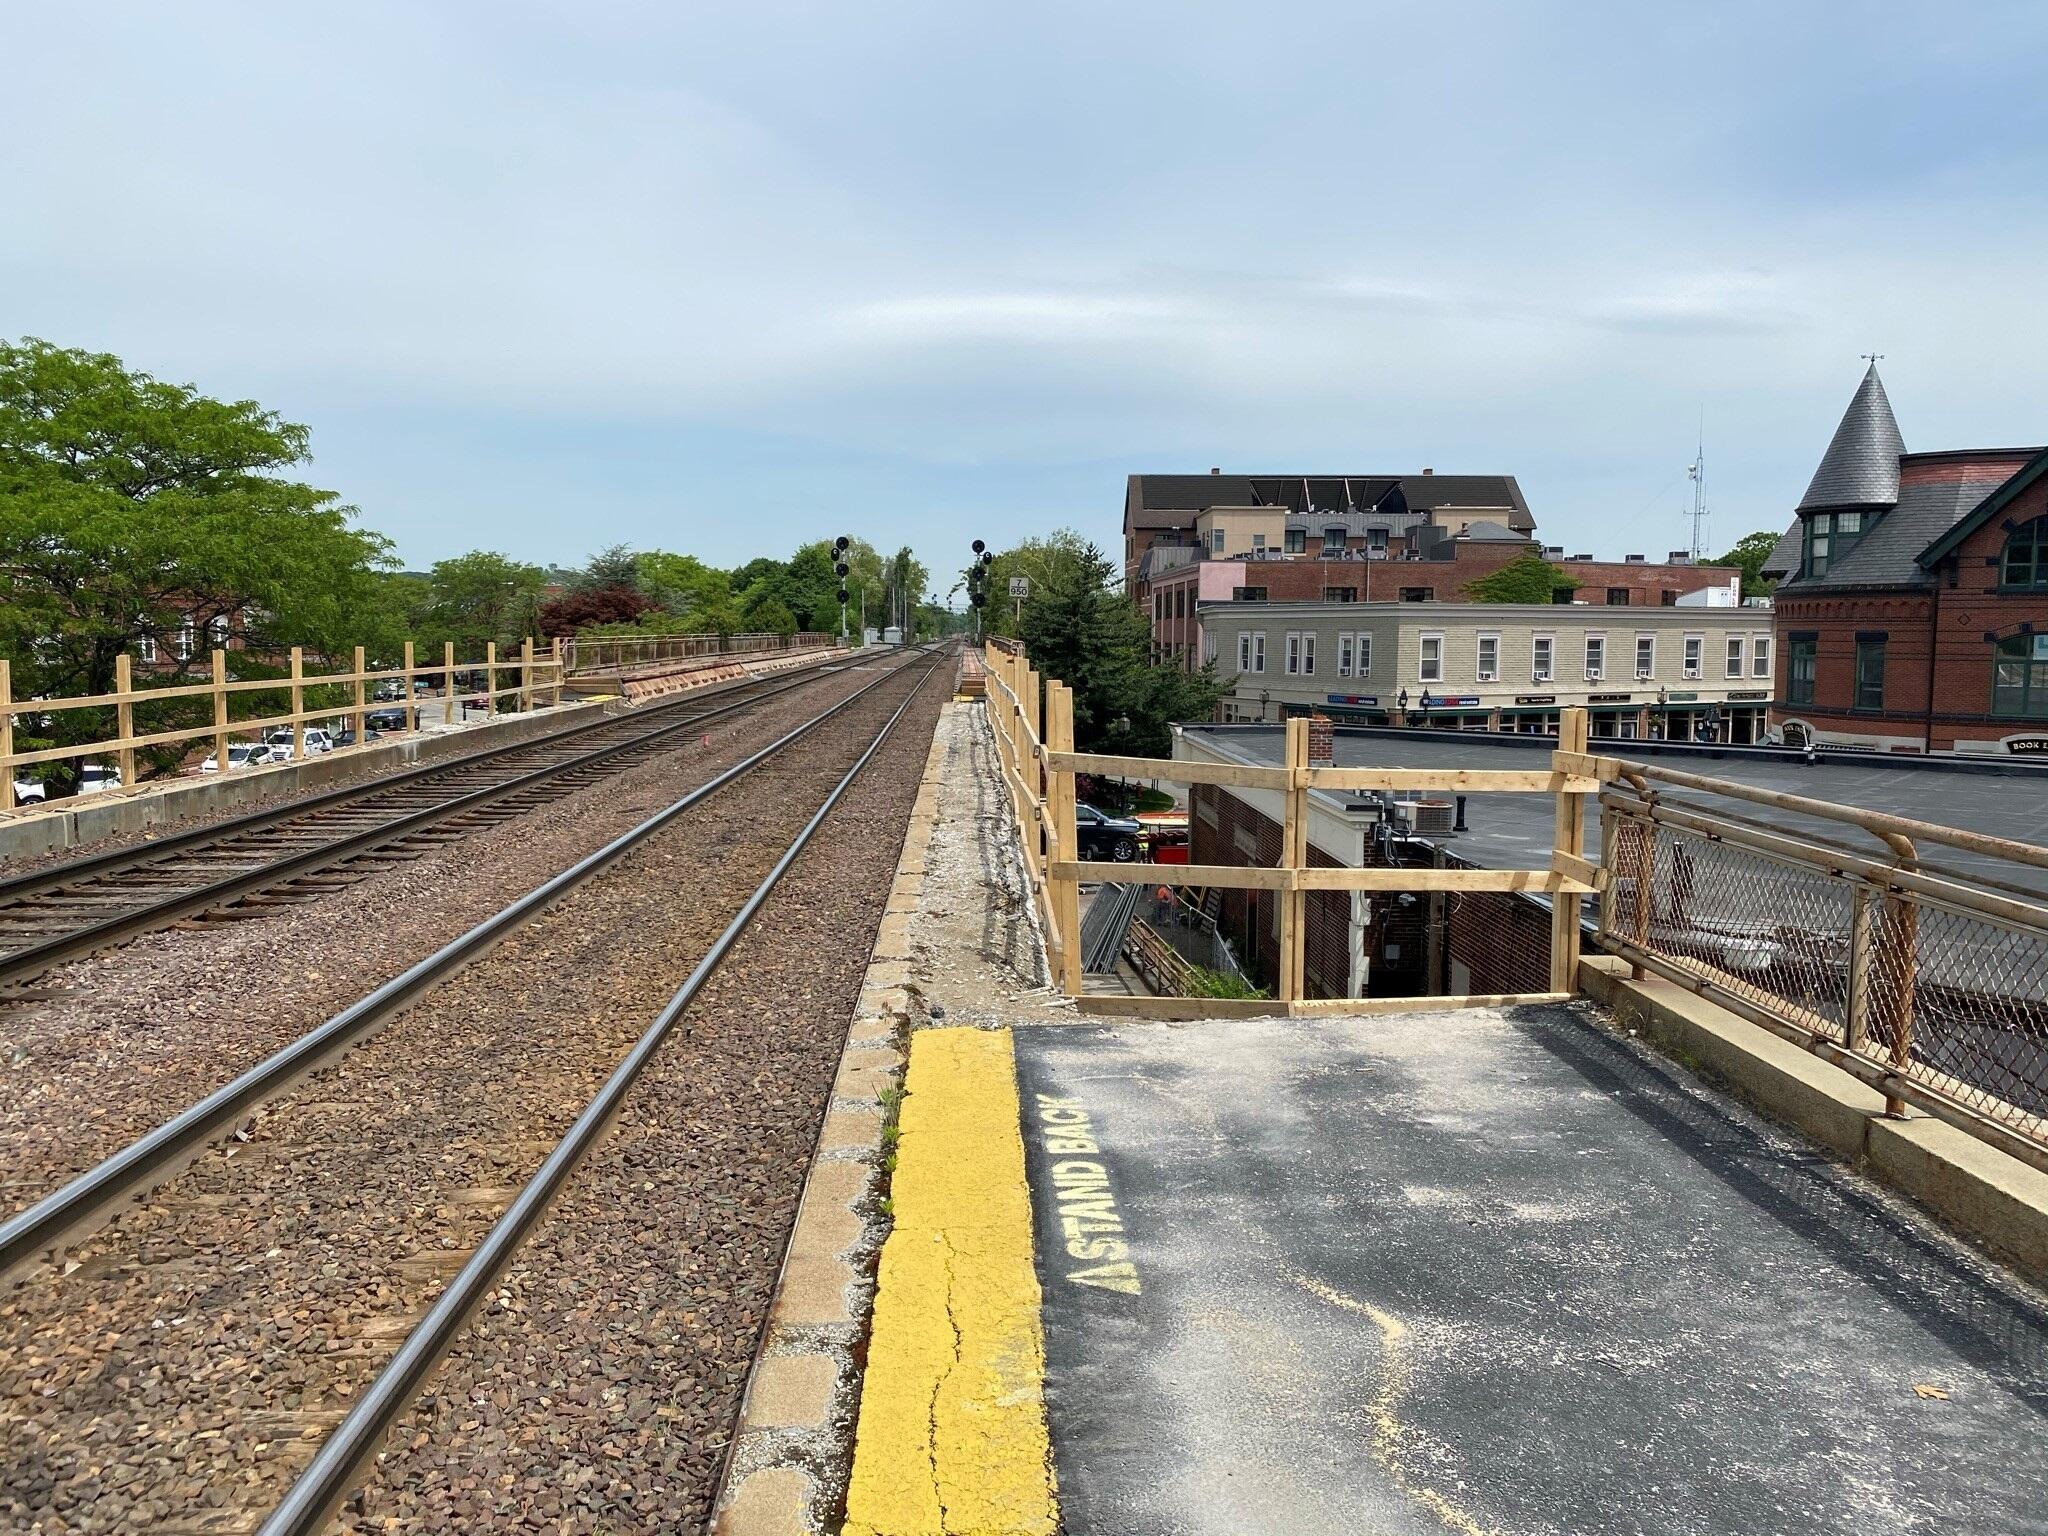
x,y
1322,742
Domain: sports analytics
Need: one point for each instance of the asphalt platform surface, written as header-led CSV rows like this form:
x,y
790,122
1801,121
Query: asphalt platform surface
x,y
1495,1271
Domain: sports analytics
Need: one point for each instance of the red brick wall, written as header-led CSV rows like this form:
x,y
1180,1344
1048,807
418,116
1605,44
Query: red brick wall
x,y
1646,583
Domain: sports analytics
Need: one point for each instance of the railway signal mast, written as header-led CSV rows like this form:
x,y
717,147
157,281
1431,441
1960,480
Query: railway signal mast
x,y
839,568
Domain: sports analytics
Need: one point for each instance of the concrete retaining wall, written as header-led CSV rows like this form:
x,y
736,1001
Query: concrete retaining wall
x,y
86,819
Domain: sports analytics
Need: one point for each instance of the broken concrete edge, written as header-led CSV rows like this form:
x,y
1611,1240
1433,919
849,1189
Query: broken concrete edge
x,y
1989,1196
953,1434
796,1415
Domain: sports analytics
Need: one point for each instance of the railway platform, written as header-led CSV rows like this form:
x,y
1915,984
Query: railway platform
x,y
1496,1270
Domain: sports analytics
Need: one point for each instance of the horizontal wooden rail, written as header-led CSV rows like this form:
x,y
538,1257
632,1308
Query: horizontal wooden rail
x,y
1464,781
1179,770
1247,877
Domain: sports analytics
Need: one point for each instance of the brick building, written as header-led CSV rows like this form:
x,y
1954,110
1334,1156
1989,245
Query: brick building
x,y
1912,615
1319,514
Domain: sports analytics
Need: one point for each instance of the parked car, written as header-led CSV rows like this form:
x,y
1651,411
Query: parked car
x,y
30,791
390,690
241,754
1105,837
387,720
93,777
282,746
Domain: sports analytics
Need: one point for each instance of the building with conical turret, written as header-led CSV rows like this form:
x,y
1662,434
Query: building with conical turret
x,y
1912,610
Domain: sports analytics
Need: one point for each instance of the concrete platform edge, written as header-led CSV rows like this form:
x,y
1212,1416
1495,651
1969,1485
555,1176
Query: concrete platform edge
x,y
1996,1199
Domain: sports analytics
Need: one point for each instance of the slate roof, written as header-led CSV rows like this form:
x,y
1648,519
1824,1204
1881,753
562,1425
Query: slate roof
x,y
1861,466
1986,509
1169,501
1785,555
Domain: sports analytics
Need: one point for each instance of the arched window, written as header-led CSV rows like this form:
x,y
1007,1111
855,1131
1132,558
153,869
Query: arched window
x,y
2026,555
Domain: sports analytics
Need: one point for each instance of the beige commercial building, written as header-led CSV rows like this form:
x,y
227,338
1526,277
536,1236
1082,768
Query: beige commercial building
x,y
1679,673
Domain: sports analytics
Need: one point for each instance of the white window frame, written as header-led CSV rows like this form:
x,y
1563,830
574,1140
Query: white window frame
x,y
187,637
1216,541
146,649
1694,656
1595,670
1428,670
1482,669
1347,652
1364,653
1759,655
1544,646
1293,653
1308,653
1646,668
1258,542
1737,658
1259,652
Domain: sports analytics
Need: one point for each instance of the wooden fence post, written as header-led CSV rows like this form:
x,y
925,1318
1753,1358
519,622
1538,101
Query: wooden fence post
x,y
490,679
6,734
124,717
357,720
412,706
1294,856
220,709
298,704
448,706
1569,838
561,670
526,675
1066,893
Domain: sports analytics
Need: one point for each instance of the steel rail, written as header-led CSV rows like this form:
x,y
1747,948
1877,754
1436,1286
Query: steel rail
x,y
95,865
32,958
328,1480
74,1208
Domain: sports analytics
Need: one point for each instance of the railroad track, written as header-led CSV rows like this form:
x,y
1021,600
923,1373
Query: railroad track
x,y
288,854
348,1448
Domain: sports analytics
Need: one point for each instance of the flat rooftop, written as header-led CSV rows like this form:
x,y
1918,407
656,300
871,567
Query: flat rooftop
x,y
1514,831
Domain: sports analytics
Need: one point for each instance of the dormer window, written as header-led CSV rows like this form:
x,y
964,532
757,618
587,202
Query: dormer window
x,y
1829,536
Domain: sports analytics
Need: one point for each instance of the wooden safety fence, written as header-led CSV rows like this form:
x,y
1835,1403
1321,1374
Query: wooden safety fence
x,y
1033,721
539,675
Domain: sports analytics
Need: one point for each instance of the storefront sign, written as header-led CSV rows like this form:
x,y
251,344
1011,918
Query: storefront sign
x,y
1453,701
2027,744
1607,698
1749,695
1354,698
1535,698
1682,698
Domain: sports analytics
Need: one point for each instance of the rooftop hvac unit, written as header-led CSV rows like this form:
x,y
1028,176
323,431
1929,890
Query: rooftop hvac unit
x,y
1426,817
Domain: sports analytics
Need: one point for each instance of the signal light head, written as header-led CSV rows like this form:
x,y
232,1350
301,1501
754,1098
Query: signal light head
x,y
979,546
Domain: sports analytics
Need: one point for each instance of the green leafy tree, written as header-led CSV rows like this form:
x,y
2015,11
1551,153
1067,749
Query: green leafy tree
x,y
1525,579
679,583
766,614
139,515
1750,553
1061,553
1079,627
717,614
614,566
481,596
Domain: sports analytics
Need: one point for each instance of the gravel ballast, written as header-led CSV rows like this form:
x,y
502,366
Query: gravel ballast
x,y
183,1371
140,1032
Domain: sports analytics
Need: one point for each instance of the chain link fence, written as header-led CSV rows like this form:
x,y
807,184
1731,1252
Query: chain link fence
x,y
1933,987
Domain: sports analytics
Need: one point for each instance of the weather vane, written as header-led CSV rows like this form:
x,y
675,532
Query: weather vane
x,y
1871,357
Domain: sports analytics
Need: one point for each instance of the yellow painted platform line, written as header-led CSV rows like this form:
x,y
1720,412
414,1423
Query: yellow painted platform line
x,y
952,1438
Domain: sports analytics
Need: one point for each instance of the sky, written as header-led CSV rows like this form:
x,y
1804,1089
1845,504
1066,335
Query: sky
x,y
720,278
